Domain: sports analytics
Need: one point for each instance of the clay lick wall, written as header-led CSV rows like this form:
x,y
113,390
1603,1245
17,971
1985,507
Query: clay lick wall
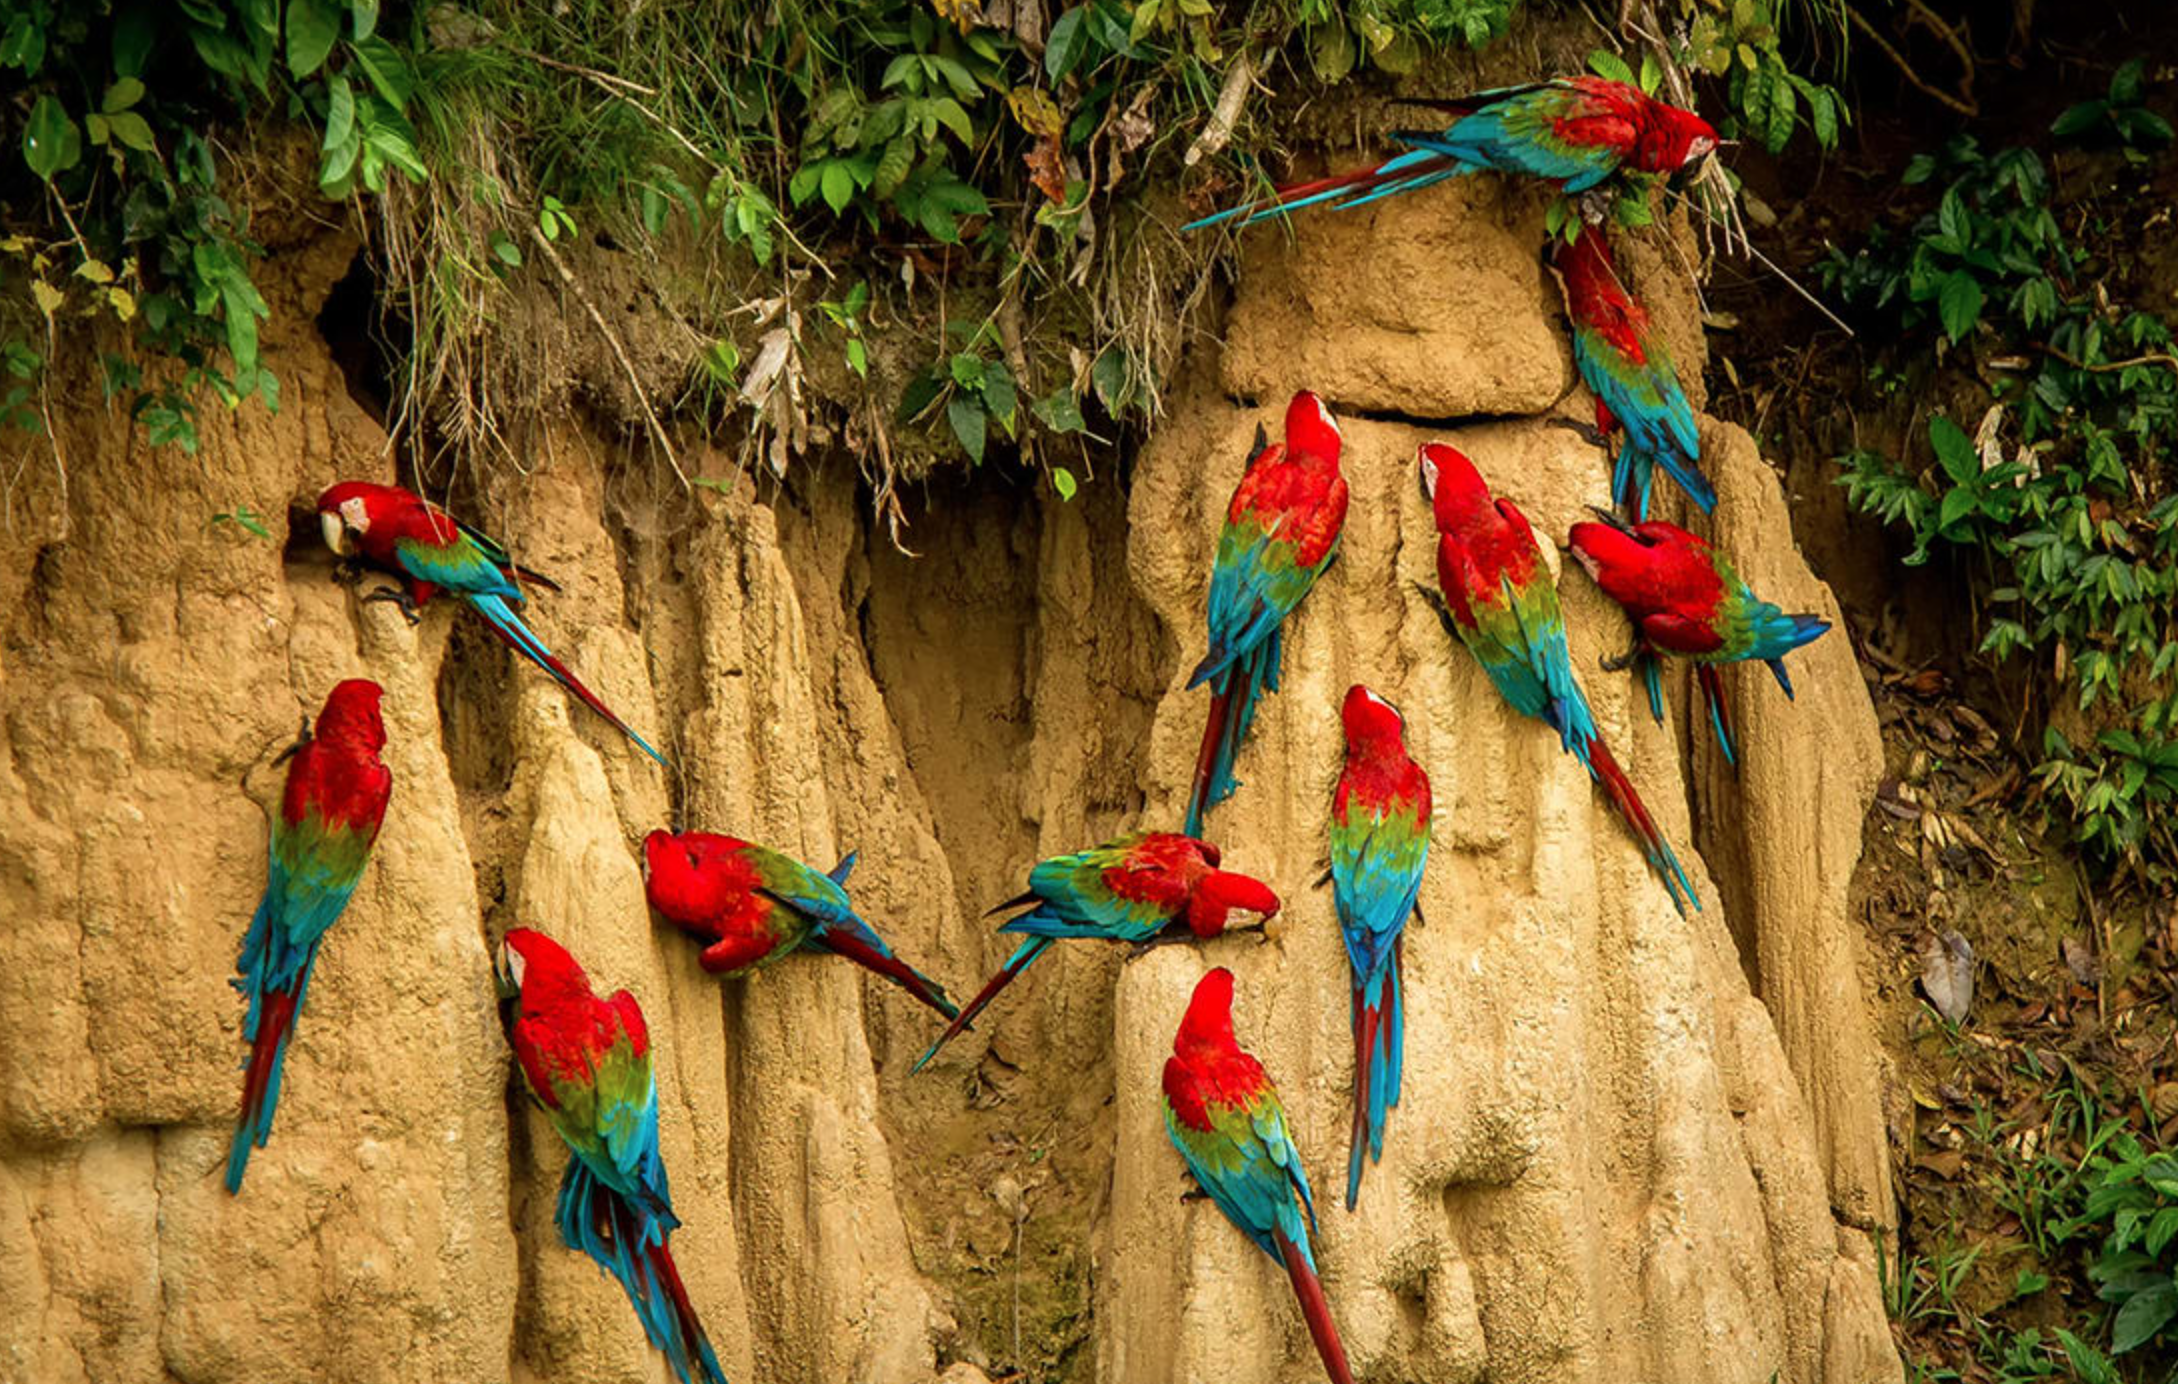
x,y
1632,1147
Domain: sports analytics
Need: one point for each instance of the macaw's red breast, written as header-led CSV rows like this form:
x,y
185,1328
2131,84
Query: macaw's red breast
x,y
1207,1071
1294,490
1597,298
338,775
562,1028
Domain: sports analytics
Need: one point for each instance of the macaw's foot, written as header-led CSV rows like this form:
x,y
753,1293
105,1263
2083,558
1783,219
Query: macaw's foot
x,y
1162,939
1194,1194
394,595
1437,602
1619,663
1588,432
348,570
302,738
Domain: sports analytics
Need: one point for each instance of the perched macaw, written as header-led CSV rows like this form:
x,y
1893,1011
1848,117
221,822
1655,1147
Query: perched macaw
x,y
1572,131
1281,531
1684,598
1379,844
750,905
408,537
1505,610
1625,365
1225,1118
587,1062
330,812
1141,888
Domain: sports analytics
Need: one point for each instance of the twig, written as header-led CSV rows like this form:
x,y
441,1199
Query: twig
x,y
1226,113
1767,263
1963,105
620,353
52,435
2152,358
606,78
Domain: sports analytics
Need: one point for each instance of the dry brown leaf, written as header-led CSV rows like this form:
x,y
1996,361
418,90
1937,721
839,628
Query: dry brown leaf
x,y
1947,974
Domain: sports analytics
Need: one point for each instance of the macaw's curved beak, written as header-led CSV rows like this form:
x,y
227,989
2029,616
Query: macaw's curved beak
x,y
507,973
335,530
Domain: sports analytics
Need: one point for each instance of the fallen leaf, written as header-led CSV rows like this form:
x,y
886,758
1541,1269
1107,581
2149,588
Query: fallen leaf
x,y
2085,966
1947,974
1944,1165
1047,169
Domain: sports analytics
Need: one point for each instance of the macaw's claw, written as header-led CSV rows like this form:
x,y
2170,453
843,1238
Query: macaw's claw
x,y
393,595
1194,1194
1587,432
1619,663
348,571
302,738
1162,939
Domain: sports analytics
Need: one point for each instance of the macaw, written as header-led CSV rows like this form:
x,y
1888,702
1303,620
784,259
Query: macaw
x,y
1379,844
1684,598
587,1062
1225,1118
1504,608
1147,887
1625,365
750,905
1281,531
1572,131
330,812
406,536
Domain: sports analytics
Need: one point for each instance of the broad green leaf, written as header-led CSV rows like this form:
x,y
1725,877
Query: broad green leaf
x,y
22,45
2143,1315
51,143
1958,503
121,96
1332,51
1955,451
131,129
1958,303
1610,66
1062,480
313,27
386,68
838,185
1060,411
365,15
1067,44
969,425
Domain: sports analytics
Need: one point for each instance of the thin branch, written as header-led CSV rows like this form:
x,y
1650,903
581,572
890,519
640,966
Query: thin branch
x,y
605,78
1226,114
2152,358
1767,263
1963,105
620,353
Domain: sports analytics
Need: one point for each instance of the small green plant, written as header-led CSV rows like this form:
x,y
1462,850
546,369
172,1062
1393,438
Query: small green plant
x,y
2120,118
847,316
2132,1205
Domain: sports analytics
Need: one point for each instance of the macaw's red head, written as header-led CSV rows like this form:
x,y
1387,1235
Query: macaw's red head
x,y
1370,721
346,512
538,970
1671,139
1207,1028
350,717
1218,893
1457,494
695,877
1311,431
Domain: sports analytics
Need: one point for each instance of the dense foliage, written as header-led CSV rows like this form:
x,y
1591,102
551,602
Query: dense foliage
x,y
2057,489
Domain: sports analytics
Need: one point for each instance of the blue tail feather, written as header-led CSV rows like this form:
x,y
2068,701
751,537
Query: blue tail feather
x,y
619,1235
1652,679
509,627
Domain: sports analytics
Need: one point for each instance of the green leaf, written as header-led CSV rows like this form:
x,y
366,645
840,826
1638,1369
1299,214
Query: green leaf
x,y
1067,44
387,70
122,95
838,185
1109,378
131,129
1060,412
858,357
920,394
313,27
2142,1316
970,425
1332,51
505,250
2079,119
135,29
1062,480
1958,503
339,112
1955,451
22,45
51,143
1958,303
365,15
1610,66
967,370
1652,75
999,397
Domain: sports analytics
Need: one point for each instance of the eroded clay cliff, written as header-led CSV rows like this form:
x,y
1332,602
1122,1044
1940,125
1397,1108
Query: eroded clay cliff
x,y
1634,1146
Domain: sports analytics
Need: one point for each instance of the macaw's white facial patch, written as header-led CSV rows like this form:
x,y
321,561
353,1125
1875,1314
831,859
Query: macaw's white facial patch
x,y
1700,147
1323,415
1386,705
357,514
511,964
1429,473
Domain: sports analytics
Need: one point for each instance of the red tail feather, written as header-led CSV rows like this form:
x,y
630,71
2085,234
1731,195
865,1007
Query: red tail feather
x,y
860,952
696,1345
253,1124
1363,179
1314,1310
983,997
1623,797
1213,732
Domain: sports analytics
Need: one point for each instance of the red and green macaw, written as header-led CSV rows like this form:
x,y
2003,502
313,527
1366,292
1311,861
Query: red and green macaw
x,y
330,812
1379,844
1684,598
408,537
1141,888
1225,1118
1625,365
1504,608
750,905
587,1061
1572,131
1281,531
